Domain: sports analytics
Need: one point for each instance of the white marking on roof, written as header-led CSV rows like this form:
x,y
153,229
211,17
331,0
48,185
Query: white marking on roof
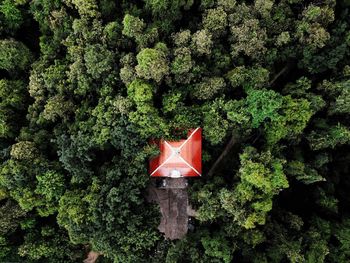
x,y
188,138
175,151
194,169
171,156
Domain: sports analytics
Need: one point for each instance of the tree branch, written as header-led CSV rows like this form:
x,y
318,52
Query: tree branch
x,y
282,71
228,147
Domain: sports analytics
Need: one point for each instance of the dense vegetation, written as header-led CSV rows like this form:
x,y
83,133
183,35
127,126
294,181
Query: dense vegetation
x,y
85,84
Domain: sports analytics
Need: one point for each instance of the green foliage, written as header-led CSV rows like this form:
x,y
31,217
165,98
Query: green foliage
x,y
12,105
46,244
215,21
338,93
99,60
11,214
181,65
85,8
168,9
341,233
12,15
248,77
152,64
38,187
264,7
73,210
182,38
14,55
217,247
133,26
238,115
332,137
209,88
249,39
296,114
122,213
24,151
303,173
262,105
214,124
261,177
201,42
310,30
283,116
86,85
342,103
146,116
76,156
51,185
140,92
57,107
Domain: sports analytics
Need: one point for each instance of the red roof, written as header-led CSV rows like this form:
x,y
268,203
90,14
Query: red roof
x,y
179,158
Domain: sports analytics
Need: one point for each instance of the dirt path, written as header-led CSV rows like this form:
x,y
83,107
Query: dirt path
x,y
174,206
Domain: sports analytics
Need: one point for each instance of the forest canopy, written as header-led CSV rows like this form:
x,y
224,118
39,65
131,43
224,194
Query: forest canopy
x,y
85,85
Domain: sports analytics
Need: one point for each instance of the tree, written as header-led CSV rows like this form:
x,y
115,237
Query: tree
x,y
303,173
262,105
182,65
146,116
248,77
261,177
310,30
14,55
12,106
166,8
50,185
88,8
46,243
332,137
152,63
209,88
57,107
217,247
214,124
134,27
11,215
215,21
249,38
264,7
201,42
98,60
12,15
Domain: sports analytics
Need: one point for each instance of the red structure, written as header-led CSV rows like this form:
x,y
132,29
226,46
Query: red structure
x,y
181,158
